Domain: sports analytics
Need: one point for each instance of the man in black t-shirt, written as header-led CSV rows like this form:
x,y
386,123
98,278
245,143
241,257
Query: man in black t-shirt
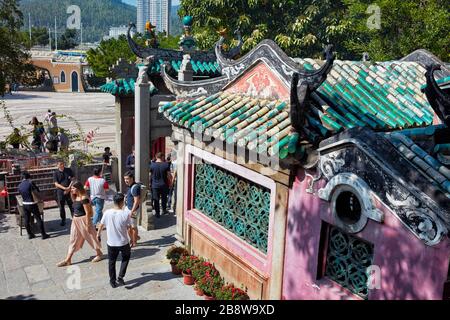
x,y
30,206
160,179
63,178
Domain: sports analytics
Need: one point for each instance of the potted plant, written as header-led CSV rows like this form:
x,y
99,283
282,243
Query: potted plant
x,y
174,254
230,292
185,264
210,283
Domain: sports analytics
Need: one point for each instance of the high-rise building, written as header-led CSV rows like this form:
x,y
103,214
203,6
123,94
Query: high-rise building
x,y
155,11
143,15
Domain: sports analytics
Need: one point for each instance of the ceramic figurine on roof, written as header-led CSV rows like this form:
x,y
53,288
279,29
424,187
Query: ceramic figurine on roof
x,y
232,53
187,41
438,98
151,40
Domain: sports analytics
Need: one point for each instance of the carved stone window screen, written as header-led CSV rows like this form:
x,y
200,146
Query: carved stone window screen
x,y
348,258
237,204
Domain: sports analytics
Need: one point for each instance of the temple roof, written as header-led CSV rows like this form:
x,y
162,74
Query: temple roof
x,y
123,87
200,68
432,160
382,96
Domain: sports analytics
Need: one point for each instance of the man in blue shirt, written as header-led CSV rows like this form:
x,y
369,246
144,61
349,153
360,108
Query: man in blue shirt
x,y
129,164
133,201
30,206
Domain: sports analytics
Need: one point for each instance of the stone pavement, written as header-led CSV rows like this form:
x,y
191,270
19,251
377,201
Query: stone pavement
x,y
28,267
92,110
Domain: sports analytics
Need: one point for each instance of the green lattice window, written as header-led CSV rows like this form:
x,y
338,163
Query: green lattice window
x,y
235,203
347,261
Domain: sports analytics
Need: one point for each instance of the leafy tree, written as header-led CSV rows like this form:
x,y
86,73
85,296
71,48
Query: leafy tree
x,y
111,50
96,15
168,42
39,36
301,28
107,54
14,66
405,26
68,40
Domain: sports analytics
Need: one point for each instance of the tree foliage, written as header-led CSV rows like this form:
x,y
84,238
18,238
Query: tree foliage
x,y
303,28
14,65
109,51
68,40
405,26
96,15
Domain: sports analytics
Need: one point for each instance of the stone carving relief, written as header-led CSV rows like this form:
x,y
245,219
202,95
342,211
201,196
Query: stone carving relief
x,y
361,169
349,182
419,219
331,164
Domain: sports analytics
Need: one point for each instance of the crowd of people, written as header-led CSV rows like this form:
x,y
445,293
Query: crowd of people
x,y
86,202
45,137
162,181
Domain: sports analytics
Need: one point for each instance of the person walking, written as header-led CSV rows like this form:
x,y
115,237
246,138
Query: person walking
x,y
172,184
63,140
107,156
118,223
160,180
63,178
133,202
42,136
82,229
36,142
30,207
130,161
97,187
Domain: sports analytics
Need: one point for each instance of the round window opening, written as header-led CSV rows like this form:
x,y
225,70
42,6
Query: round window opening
x,y
348,207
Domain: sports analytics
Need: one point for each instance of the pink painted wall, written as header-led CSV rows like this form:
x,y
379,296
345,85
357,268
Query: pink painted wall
x,y
231,243
409,268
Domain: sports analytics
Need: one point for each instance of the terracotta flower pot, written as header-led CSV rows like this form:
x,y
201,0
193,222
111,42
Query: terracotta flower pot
x,y
199,292
209,297
188,279
175,269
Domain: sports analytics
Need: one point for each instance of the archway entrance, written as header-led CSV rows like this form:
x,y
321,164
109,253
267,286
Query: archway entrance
x,y
75,82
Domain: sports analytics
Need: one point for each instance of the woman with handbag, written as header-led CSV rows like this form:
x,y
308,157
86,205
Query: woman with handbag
x,y
82,228
30,196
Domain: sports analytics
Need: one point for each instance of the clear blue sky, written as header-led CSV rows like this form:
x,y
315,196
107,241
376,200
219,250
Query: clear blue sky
x,y
133,2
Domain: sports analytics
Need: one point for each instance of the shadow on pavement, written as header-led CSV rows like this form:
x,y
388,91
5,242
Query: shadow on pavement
x,y
164,241
165,221
138,253
22,297
54,229
18,96
147,277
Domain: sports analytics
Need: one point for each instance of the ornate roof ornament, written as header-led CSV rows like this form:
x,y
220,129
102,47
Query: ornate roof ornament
x,y
234,52
438,98
303,85
165,54
187,42
151,40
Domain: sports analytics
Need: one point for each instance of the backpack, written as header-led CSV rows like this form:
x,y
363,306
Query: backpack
x,y
144,196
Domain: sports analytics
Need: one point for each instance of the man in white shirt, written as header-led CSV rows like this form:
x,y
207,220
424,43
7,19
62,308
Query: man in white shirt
x,y
117,222
97,187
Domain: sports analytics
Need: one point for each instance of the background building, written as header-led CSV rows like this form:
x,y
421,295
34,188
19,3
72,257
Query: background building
x,y
116,32
160,14
155,11
142,14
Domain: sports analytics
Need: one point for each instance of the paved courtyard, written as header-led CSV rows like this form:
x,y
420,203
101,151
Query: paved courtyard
x,y
28,267
92,110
